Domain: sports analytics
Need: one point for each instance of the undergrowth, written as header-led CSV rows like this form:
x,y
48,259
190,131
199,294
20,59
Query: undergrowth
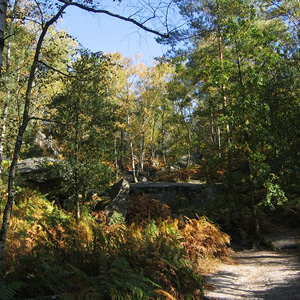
x,y
49,254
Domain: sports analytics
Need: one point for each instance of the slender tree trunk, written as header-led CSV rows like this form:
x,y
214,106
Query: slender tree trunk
x,y
7,99
21,131
188,163
142,145
76,171
223,88
213,130
122,150
3,127
152,151
163,150
132,159
116,152
131,145
223,85
253,205
142,152
224,96
3,9
77,196
219,141
240,74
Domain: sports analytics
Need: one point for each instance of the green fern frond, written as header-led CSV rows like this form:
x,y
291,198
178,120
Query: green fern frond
x,y
122,282
8,291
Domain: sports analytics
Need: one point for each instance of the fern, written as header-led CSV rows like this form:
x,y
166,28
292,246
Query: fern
x,y
8,291
121,282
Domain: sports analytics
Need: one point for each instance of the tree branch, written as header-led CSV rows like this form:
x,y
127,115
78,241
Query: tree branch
x,y
56,70
61,72
288,13
127,19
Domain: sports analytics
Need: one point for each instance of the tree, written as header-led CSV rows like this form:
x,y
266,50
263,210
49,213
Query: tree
x,y
21,131
50,13
84,123
140,92
235,51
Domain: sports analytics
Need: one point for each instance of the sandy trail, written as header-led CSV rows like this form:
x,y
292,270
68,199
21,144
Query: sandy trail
x,y
259,274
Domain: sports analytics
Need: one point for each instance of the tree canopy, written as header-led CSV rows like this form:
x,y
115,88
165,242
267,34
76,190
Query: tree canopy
x,y
222,106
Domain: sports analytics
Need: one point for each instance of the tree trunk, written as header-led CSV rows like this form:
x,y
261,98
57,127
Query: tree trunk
x,y
11,190
22,129
7,99
77,200
152,151
213,130
76,171
132,159
224,96
253,206
163,150
219,141
3,127
3,9
142,152
116,153
189,154
131,145
122,150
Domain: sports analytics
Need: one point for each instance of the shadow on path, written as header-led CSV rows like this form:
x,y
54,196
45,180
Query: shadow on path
x,y
257,275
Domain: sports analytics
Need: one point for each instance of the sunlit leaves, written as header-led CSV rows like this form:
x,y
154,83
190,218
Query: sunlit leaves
x,y
85,123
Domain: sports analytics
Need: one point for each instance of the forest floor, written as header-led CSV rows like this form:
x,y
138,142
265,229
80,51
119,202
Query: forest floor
x,y
260,274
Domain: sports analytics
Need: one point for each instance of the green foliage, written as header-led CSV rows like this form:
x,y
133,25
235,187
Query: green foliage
x,y
239,77
120,281
274,192
10,290
85,122
117,218
92,174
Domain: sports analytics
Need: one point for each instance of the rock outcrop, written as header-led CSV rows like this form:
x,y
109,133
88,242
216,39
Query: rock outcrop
x,y
116,210
33,165
196,194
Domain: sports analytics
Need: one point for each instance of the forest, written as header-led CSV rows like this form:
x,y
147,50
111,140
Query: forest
x,y
220,111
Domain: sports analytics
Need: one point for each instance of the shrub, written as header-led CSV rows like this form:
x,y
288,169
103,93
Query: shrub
x,y
144,208
53,255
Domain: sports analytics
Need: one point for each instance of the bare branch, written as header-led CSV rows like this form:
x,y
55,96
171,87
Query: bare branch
x,y
127,19
131,16
41,12
167,13
7,37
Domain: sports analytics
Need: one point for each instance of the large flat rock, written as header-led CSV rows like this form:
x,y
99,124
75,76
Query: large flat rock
x,y
34,164
194,193
167,185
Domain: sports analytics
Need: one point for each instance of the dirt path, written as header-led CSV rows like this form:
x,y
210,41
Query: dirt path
x,y
259,274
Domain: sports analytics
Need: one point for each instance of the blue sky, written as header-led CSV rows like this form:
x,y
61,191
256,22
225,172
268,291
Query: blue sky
x,y
104,33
